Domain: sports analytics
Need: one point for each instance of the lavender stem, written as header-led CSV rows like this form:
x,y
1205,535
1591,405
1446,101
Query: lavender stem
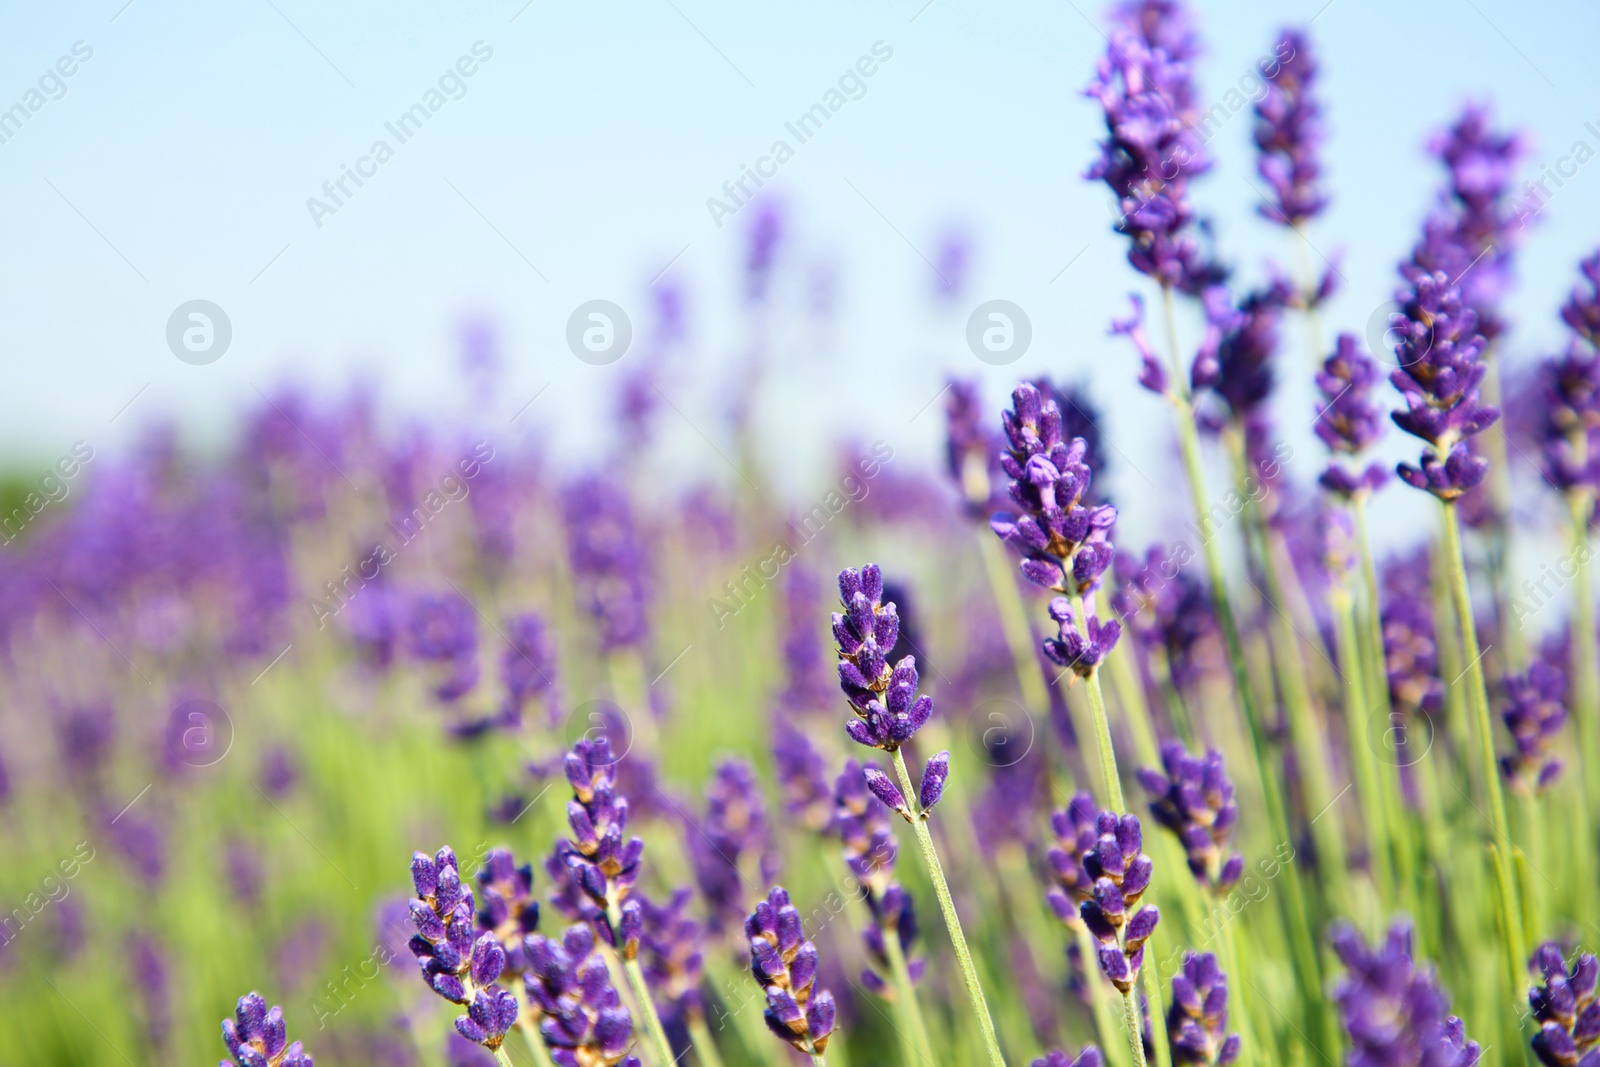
x,y
952,921
647,1007
1478,698
705,1047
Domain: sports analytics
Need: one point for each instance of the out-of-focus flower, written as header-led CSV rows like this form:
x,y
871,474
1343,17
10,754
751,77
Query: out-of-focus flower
x,y
506,905
1349,421
1197,1022
970,446
609,563
1535,714
1288,132
1394,1013
735,827
1194,799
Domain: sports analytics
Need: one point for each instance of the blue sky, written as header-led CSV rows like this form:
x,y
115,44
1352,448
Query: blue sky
x,y
577,162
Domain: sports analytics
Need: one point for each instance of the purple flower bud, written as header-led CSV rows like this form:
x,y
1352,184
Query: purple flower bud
x,y
934,774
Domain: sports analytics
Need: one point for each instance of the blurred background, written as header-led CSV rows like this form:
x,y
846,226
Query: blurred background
x,y
372,318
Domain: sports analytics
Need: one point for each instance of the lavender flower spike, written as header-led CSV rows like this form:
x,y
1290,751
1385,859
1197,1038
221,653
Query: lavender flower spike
x,y
785,966
1393,1012
1441,367
585,1023
1536,714
888,709
1194,799
257,1037
1288,132
1348,420
1120,873
1065,545
458,962
1565,1008
1197,1022
604,865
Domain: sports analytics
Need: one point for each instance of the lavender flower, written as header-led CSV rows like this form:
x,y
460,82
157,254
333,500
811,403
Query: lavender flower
x,y
602,866
585,1023
257,1037
443,629
1065,545
804,654
1581,312
1394,1013
1440,350
1288,133
1089,1057
1240,373
1145,87
1194,799
458,962
1167,610
735,826
1348,420
528,667
609,563
1535,714
1565,1008
1197,1022
1120,873
1079,651
888,709
785,966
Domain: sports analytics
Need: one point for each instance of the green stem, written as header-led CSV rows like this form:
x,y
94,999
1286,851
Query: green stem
x,y
1130,1015
503,1058
1158,1011
1102,737
1585,666
1014,621
1357,726
654,1031
1478,698
705,1047
952,921
918,1048
1098,987
817,1060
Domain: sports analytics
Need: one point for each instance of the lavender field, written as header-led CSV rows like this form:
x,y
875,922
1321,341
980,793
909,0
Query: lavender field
x,y
349,736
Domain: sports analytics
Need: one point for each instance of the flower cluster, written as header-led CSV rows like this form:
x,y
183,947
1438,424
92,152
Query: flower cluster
x,y
888,709
1064,544
1288,133
1440,351
1168,611
1393,1012
784,964
443,629
609,562
1144,84
458,962
1081,651
506,905
257,1037
1194,799
1197,1022
802,773
1535,714
603,865
1348,420
584,1022
671,954
1101,872
1565,1008
1075,831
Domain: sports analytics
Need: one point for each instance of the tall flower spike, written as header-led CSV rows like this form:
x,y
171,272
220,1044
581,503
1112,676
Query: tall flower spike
x,y
1288,132
1570,386
1440,351
1194,799
784,964
970,446
458,962
1197,1022
1394,1013
1565,1008
802,773
257,1037
674,965
884,698
1065,545
603,864
1348,420
585,1023
1121,873
1144,85
1535,715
